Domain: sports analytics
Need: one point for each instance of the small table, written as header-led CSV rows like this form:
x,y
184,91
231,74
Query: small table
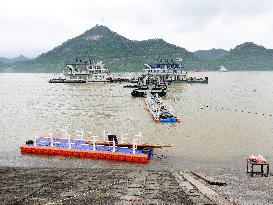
x,y
262,172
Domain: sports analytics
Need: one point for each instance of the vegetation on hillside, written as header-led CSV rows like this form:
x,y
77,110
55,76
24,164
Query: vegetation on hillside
x,y
210,54
121,54
247,56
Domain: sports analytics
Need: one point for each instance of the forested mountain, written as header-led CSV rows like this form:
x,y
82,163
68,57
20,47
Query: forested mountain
x,y
117,52
247,56
121,54
1,64
13,60
210,54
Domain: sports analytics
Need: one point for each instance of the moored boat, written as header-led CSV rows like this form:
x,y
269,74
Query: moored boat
x,y
223,69
139,93
159,91
159,110
64,80
84,71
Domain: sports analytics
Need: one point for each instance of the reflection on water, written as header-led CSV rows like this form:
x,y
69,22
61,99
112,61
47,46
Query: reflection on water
x,y
216,135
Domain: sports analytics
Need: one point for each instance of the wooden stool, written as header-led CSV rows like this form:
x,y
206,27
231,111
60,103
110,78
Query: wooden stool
x,y
262,172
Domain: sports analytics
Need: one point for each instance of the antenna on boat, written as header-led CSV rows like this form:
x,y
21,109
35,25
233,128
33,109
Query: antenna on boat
x,y
104,135
69,141
114,145
139,136
35,139
65,133
134,145
51,139
81,134
94,142
123,138
50,136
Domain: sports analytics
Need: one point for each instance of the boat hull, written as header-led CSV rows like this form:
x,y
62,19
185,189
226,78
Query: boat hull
x,y
66,81
82,148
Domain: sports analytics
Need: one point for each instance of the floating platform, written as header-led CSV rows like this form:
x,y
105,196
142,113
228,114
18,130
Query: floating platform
x,y
84,149
154,106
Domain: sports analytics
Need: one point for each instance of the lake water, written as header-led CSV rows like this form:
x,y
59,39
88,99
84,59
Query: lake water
x,y
233,123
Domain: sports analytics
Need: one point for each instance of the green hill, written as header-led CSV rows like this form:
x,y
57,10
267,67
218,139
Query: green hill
x,y
117,52
13,60
1,64
121,54
247,56
210,54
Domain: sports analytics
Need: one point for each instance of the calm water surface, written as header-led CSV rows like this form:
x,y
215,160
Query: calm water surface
x,y
222,134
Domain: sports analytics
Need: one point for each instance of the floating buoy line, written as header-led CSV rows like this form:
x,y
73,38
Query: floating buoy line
x,y
235,110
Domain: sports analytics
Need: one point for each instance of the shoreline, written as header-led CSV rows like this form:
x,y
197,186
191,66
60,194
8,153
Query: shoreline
x,y
22,185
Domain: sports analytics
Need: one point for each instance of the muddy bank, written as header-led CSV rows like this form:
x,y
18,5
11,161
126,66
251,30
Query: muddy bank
x,y
92,186
241,188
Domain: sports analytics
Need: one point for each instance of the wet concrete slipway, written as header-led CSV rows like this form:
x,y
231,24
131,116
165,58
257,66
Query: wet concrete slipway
x,y
223,122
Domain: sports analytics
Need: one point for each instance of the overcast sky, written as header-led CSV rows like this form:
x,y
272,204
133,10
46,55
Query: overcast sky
x,y
32,27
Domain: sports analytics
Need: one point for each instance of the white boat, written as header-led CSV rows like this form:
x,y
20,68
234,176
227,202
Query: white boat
x,y
223,69
164,71
87,71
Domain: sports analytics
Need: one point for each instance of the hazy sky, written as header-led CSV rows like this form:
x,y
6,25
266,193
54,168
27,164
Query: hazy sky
x,y
32,27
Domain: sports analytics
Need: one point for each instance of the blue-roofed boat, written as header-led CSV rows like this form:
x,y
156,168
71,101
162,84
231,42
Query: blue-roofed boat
x,y
160,111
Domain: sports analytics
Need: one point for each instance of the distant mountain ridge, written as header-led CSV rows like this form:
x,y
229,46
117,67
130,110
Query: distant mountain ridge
x,y
13,60
210,54
247,56
122,54
116,51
